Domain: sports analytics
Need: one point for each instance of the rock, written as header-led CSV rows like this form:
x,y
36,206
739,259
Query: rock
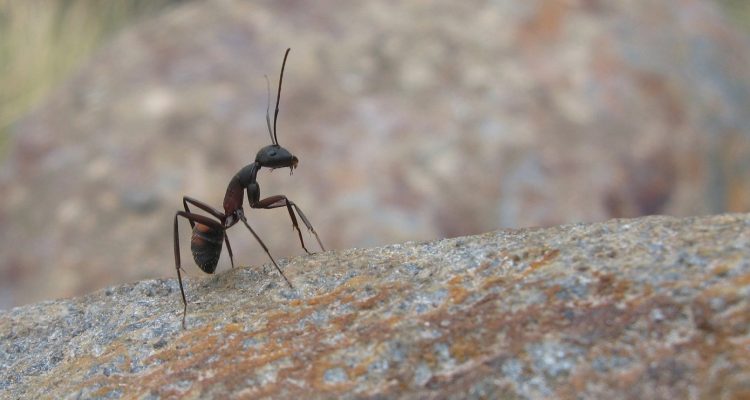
x,y
411,121
655,307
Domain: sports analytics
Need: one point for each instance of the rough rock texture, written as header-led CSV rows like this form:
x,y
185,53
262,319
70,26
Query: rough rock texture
x,y
412,121
652,308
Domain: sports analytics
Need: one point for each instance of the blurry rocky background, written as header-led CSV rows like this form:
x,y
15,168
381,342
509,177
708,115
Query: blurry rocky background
x,y
412,121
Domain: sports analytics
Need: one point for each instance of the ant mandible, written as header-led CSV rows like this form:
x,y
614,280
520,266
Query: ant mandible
x,y
209,233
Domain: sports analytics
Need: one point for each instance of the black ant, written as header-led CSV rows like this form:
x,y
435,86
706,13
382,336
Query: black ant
x,y
209,233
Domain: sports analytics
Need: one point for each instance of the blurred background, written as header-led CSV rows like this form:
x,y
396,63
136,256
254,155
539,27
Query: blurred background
x,y
411,120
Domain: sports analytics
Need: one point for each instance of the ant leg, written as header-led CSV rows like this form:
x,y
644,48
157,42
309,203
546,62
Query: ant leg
x,y
229,249
192,218
263,245
203,206
281,201
308,225
178,267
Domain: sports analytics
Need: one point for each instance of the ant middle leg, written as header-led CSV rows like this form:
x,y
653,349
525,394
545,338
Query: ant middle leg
x,y
229,249
263,245
282,201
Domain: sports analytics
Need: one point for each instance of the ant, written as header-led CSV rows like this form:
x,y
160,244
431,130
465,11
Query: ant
x,y
209,233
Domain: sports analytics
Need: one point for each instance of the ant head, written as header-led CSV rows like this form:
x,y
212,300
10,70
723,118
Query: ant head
x,y
275,156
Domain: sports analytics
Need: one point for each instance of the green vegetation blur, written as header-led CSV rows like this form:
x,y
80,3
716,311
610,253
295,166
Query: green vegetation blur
x,y
738,11
42,41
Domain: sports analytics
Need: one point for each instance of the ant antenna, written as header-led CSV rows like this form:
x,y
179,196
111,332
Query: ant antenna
x,y
278,97
268,107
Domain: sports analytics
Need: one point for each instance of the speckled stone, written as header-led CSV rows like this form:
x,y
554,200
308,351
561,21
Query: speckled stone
x,y
656,307
412,121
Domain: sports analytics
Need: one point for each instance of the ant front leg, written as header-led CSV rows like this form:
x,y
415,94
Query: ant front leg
x,y
281,201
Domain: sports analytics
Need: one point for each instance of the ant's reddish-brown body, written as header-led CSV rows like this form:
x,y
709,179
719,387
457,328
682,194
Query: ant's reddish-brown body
x,y
209,232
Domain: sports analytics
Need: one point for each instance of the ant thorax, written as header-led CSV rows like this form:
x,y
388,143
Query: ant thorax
x,y
235,190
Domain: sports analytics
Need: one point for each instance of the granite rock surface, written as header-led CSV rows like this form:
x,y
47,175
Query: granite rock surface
x,y
411,120
655,307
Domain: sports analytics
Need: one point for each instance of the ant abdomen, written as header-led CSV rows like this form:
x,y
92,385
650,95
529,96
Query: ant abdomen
x,y
206,244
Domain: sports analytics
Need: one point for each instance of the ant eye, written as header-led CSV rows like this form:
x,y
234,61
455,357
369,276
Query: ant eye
x,y
272,153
